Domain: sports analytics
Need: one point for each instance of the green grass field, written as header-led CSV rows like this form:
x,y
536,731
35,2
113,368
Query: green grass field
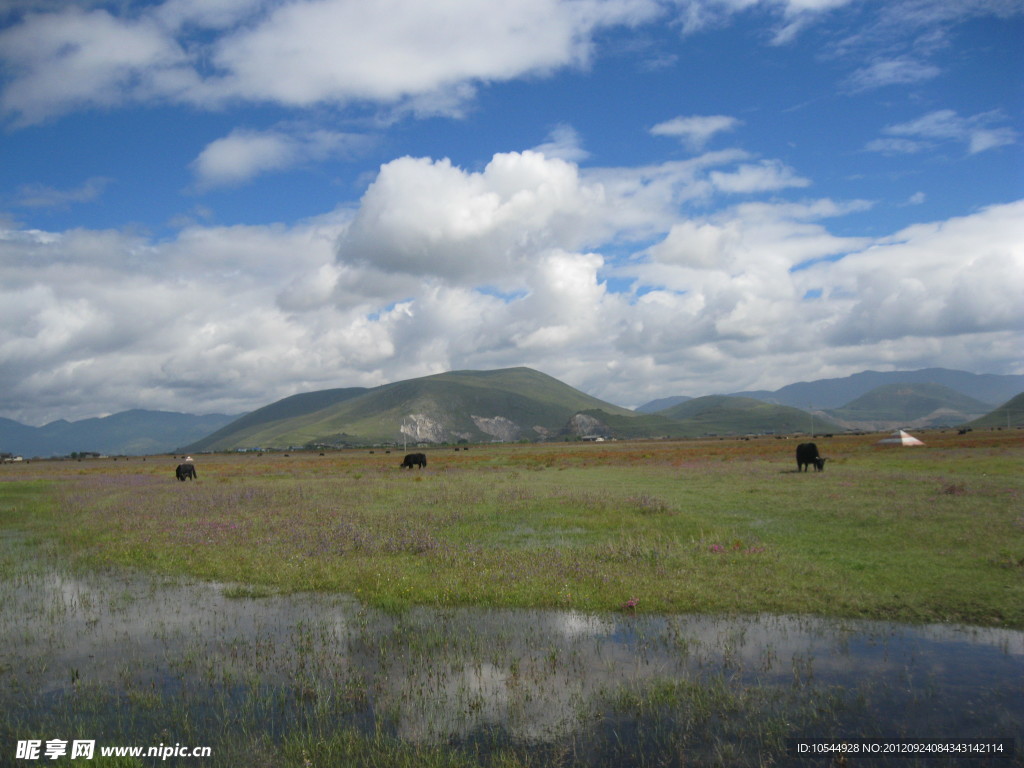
x,y
933,534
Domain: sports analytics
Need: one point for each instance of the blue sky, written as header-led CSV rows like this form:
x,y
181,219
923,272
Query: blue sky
x,y
207,205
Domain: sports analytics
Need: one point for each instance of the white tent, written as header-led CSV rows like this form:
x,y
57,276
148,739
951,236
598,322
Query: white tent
x,y
899,437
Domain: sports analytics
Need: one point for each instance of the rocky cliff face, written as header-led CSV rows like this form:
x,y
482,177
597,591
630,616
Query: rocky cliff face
x,y
498,427
582,425
424,429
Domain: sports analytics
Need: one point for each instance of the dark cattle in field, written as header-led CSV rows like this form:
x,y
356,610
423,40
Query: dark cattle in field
x,y
806,455
414,459
185,472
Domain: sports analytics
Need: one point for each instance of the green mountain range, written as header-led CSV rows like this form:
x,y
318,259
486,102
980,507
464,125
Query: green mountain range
x,y
482,406
474,406
516,404
506,405
909,405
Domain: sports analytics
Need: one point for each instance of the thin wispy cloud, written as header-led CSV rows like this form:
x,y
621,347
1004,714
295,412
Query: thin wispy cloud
x,y
899,71
697,130
564,142
979,133
42,196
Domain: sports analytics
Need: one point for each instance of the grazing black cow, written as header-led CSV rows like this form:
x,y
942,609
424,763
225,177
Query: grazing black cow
x,y
806,455
185,472
414,459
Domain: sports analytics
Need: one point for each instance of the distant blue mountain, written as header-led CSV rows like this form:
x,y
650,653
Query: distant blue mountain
x,y
989,388
132,433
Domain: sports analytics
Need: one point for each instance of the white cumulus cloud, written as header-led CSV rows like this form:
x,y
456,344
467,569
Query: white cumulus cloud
x,y
429,218
519,263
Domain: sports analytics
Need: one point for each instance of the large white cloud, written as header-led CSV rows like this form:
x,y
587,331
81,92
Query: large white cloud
x,y
426,56
954,278
339,50
63,61
93,319
429,218
594,277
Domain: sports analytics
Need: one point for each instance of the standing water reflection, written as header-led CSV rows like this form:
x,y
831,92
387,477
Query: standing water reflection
x,y
131,660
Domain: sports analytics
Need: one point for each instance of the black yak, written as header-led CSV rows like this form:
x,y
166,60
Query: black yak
x,y
414,459
806,455
185,472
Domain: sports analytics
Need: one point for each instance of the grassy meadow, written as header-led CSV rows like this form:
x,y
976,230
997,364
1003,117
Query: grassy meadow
x,y
933,534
